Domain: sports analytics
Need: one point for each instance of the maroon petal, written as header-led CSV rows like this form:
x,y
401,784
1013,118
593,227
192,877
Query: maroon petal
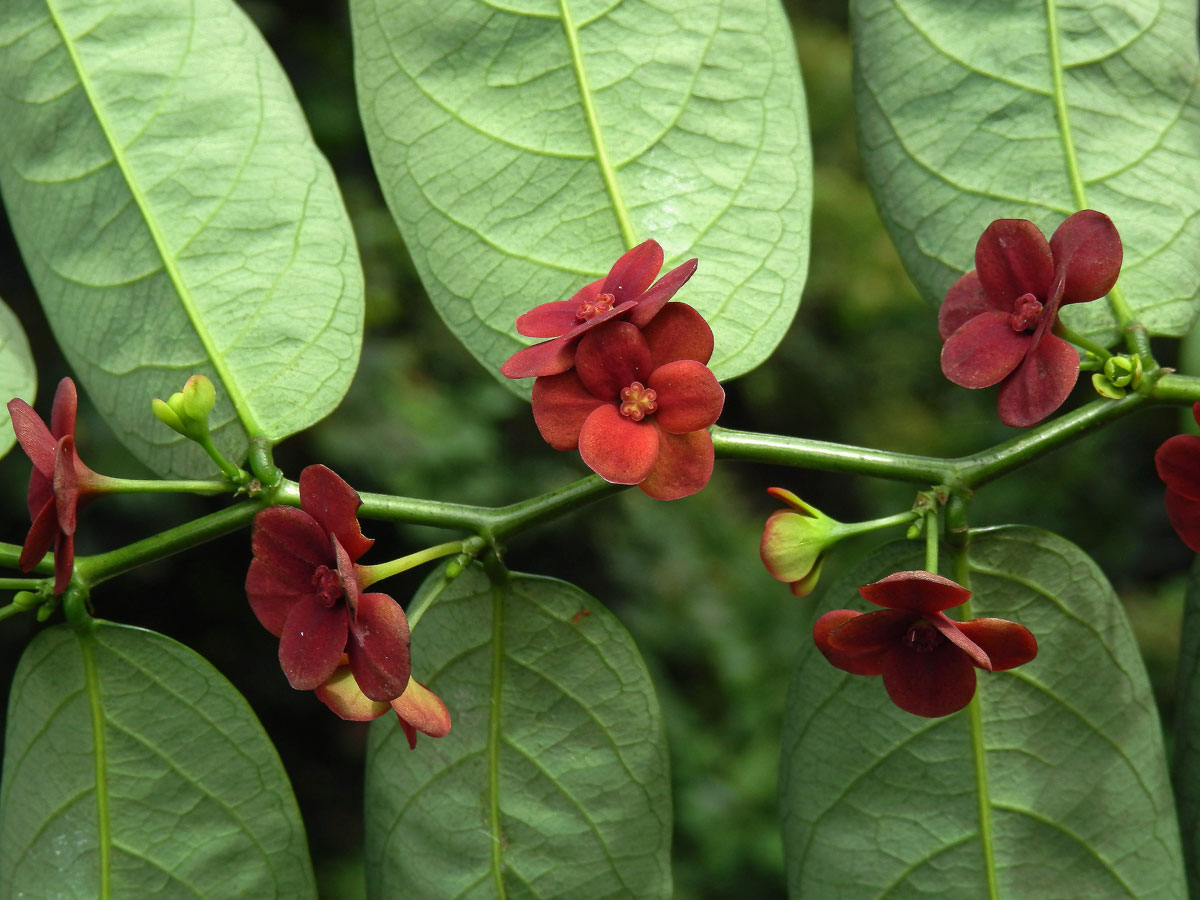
x,y
964,301
1183,513
932,683
617,448
290,541
551,319
983,351
663,290
682,467
679,332
689,397
1007,644
379,653
871,632
41,537
62,413
1088,246
858,662
1178,464
66,484
917,591
1013,258
560,405
1040,384
546,358
41,492
312,642
272,594
334,504
33,435
64,561
951,631
347,577
634,271
612,357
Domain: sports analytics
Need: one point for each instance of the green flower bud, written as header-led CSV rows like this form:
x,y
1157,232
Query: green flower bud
x,y
167,415
187,411
26,600
198,398
794,542
1105,388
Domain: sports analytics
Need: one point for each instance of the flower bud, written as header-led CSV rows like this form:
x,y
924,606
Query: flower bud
x,y
187,411
794,542
199,396
26,600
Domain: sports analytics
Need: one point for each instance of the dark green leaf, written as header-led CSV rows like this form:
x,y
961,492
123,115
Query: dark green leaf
x,y
1186,763
522,147
553,780
133,769
176,217
1055,785
18,374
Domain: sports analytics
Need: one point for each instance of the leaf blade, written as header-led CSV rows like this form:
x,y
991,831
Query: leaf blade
x,y
18,373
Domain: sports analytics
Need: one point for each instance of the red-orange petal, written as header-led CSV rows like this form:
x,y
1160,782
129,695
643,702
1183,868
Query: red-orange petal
x,y
547,358
550,319
682,467
689,397
340,692
617,448
663,290
679,332
634,271
561,404
612,357
420,709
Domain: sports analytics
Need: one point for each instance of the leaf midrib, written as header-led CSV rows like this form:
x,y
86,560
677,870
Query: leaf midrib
x,y
230,384
100,749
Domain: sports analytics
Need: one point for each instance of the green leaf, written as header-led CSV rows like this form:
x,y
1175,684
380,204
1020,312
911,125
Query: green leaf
x,y
1186,762
176,217
522,147
971,112
18,374
1053,785
553,779
132,768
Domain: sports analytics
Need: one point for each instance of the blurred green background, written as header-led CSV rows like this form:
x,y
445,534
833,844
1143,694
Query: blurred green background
x,y
858,366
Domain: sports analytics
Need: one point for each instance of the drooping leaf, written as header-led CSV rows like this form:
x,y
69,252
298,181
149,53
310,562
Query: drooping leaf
x,y
523,147
1057,787
553,779
18,374
971,112
132,768
176,217
1186,761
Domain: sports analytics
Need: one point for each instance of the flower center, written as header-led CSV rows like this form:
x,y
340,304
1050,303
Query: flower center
x,y
923,637
589,308
328,585
638,401
1026,313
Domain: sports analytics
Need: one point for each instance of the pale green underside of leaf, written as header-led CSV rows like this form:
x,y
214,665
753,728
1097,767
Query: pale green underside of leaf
x,y
1186,762
133,769
1075,795
18,374
176,217
481,141
564,794
959,126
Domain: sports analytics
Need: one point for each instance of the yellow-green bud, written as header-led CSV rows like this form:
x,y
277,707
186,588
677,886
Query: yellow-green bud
x,y
198,397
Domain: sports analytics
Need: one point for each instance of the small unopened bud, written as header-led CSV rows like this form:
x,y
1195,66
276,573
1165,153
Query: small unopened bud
x,y
187,411
199,395
26,600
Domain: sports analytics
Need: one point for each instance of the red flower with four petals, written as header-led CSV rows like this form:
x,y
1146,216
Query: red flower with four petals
x,y
305,588
927,659
1178,465
997,320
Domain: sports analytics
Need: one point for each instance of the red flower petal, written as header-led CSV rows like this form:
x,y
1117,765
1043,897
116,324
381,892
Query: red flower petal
x,y
1040,384
1178,465
918,591
1182,512
866,662
272,594
689,397
379,654
334,504
66,484
617,448
932,683
546,358
679,332
291,541
552,319
682,467
62,413
873,632
634,271
41,537
951,631
663,290
1007,644
64,561
342,695
1013,258
420,709
33,435
560,405
612,357
347,577
312,642
964,301
984,351
1088,246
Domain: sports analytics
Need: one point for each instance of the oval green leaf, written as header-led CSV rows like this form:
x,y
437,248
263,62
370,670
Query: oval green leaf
x,y
1186,762
522,147
132,768
18,374
1054,785
553,779
176,218
1031,109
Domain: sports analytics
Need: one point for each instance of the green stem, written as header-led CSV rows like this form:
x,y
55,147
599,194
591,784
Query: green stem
x,y
19,584
11,610
368,575
1101,353
228,469
851,528
1172,388
933,538
165,486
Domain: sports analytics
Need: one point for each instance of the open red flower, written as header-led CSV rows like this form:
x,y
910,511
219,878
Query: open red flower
x,y
60,482
997,320
638,403
304,588
626,291
927,659
1178,465
418,708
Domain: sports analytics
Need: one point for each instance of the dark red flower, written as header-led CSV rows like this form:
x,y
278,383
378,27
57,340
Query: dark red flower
x,y
638,403
997,320
927,659
1178,464
305,588
626,291
418,708
60,482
